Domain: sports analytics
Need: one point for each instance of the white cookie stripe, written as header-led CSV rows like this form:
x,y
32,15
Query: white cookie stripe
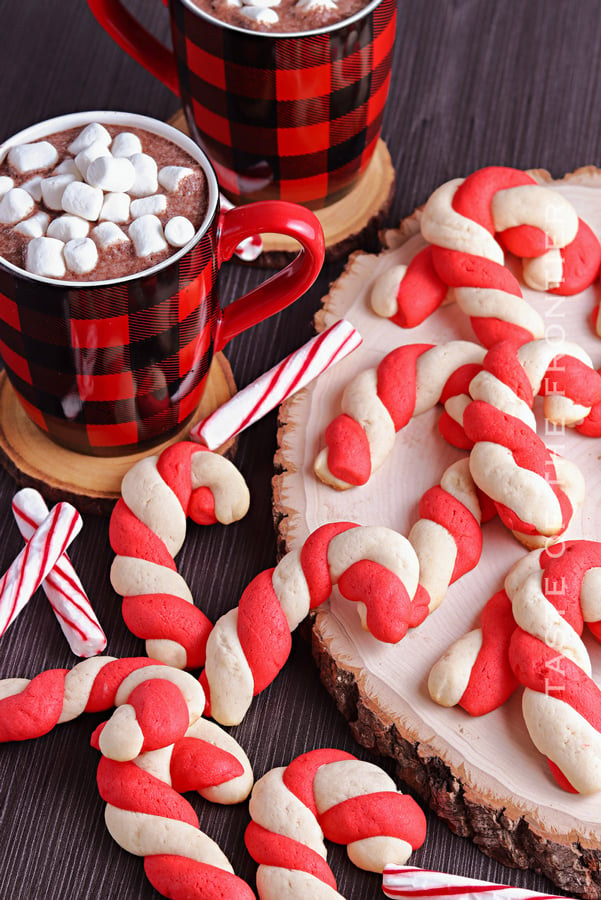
x,y
280,382
62,585
36,560
408,881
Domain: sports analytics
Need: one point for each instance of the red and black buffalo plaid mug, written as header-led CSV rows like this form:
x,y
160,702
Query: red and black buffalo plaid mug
x,y
281,116
113,367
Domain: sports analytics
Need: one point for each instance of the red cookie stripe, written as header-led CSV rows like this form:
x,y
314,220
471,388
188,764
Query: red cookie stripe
x,y
161,712
263,631
129,536
107,682
349,457
420,292
197,764
399,368
180,878
492,680
372,815
269,849
126,786
473,198
388,619
35,710
181,622
314,560
441,507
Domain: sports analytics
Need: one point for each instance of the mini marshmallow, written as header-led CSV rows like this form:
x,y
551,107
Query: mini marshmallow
x,y
81,255
148,206
126,144
115,207
146,181
53,189
68,227
147,235
179,231
30,157
107,234
262,14
34,226
6,183
44,257
15,205
33,186
85,157
68,167
170,176
111,174
83,200
91,134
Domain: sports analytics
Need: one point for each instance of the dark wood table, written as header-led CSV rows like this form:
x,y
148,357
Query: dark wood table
x,y
474,83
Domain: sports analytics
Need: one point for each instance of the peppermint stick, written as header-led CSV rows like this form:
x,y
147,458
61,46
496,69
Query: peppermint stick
x,y
35,561
273,387
408,881
62,586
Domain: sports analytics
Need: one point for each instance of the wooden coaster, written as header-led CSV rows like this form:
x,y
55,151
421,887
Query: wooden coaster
x,y
351,223
91,483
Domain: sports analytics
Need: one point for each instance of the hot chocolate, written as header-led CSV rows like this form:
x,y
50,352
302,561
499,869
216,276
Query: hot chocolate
x,y
283,16
98,203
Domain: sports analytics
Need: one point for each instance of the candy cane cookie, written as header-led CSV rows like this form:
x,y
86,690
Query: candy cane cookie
x,y
534,491
461,219
553,593
333,795
373,566
149,818
380,401
148,528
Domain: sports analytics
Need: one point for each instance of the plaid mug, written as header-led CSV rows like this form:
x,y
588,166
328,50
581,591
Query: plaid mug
x,y
281,116
113,367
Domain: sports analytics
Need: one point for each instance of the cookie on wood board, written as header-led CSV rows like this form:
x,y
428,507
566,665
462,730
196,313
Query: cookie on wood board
x,y
482,775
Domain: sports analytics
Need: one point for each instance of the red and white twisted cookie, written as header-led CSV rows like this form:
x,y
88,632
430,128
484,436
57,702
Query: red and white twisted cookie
x,y
147,816
531,634
534,491
373,566
462,220
30,708
380,401
327,794
148,528
552,596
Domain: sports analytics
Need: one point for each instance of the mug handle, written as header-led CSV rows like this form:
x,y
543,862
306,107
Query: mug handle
x,y
287,285
132,37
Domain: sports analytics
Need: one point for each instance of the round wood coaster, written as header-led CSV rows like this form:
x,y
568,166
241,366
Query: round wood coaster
x,y
349,224
91,483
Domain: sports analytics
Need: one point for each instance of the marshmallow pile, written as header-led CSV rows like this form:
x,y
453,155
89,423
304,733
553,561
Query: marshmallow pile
x,y
264,12
76,211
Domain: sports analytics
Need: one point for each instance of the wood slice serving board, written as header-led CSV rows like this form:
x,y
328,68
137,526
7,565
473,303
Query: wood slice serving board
x,y
482,775
92,483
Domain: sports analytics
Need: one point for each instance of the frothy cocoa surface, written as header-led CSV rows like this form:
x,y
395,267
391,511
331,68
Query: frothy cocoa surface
x,y
189,200
286,16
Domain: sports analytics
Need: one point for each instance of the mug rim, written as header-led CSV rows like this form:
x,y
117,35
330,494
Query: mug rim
x,y
39,130
325,29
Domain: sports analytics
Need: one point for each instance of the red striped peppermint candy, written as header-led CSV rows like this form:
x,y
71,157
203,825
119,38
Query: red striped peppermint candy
x,y
408,881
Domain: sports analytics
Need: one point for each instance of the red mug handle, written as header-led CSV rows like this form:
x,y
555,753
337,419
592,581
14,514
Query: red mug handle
x,y
132,37
287,285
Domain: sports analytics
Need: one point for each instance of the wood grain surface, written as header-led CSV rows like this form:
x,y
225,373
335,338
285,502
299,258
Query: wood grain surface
x,y
515,83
